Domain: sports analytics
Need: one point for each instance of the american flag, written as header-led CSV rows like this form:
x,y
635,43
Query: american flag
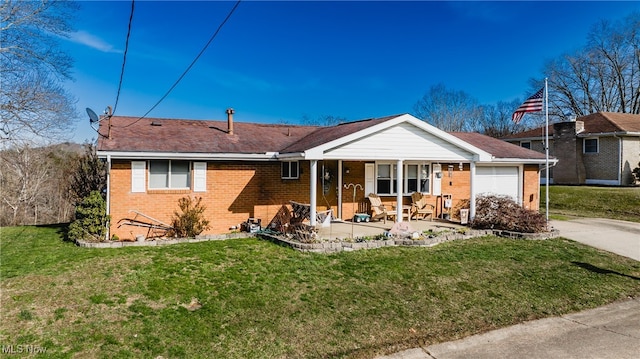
x,y
532,104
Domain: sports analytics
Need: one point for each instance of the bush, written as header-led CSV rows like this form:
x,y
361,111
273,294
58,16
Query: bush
x,y
191,221
502,212
636,173
91,219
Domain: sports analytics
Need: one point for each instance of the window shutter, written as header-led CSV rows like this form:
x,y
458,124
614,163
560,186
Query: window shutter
x,y
199,177
138,176
369,178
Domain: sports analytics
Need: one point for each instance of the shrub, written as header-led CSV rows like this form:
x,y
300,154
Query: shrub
x,y
91,219
191,221
636,173
502,212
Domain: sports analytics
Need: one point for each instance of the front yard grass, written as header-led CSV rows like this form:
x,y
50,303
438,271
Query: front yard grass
x,y
621,203
249,298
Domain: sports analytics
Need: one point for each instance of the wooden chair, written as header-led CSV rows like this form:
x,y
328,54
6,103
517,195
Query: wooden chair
x,y
420,207
378,209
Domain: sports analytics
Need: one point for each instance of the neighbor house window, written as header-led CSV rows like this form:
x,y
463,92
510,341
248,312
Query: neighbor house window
x,y
169,174
290,170
590,145
415,178
526,144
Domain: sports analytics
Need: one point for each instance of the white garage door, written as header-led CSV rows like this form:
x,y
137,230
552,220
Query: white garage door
x,y
498,180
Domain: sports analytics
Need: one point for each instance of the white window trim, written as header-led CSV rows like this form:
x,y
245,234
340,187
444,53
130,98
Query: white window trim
x,y
584,145
405,177
169,187
288,163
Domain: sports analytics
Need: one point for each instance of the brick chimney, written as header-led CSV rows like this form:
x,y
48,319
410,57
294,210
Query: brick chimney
x,y
567,147
230,113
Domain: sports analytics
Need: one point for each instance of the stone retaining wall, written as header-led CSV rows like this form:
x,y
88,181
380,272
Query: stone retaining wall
x,y
330,246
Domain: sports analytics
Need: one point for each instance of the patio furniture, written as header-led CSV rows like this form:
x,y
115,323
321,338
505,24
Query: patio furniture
x,y
420,207
378,209
406,212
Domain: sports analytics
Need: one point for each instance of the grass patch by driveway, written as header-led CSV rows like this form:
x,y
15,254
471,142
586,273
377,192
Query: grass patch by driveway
x,y
594,202
248,298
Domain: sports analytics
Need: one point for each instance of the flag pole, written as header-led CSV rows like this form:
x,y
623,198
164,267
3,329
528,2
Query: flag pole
x,y
546,149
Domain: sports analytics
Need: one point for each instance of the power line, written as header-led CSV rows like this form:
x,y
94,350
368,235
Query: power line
x,y
124,59
188,67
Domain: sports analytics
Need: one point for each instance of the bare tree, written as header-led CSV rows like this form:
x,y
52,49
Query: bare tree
x,y
323,120
33,103
34,184
448,110
603,76
495,120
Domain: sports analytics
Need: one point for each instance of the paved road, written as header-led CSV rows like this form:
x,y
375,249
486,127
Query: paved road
x,y
618,237
611,331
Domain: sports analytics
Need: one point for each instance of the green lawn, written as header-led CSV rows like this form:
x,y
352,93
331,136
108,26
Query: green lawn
x,y
260,300
594,202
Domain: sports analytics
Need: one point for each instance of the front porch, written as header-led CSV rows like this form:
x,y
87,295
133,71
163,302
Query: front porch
x,y
340,230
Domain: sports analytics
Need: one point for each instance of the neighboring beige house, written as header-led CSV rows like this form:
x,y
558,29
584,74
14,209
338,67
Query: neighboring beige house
x,y
601,148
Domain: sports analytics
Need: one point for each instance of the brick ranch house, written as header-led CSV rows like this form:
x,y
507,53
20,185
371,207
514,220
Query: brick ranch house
x,y
600,149
250,170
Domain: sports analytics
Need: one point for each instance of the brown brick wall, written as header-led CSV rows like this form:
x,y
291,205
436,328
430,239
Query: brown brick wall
x,y
602,165
237,191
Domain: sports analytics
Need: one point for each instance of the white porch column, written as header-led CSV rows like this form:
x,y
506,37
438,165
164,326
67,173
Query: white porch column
x,y
472,181
399,182
313,188
340,189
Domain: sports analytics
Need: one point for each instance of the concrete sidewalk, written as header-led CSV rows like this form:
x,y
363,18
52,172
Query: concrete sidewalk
x,y
611,235
611,331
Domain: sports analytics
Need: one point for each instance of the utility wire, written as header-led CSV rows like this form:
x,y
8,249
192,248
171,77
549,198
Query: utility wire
x,y
188,67
124,59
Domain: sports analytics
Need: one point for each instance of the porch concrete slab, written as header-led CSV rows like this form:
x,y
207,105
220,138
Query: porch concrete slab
x,y
620,237
348,229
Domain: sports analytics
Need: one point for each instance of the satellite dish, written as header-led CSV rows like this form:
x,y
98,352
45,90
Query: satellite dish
x,y
94,120
92,116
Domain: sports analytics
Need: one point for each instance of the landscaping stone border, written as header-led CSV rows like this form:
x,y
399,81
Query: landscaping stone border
x,y
339,246
164,242
326,246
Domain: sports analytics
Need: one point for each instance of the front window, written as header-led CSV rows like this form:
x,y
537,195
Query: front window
x,y
290,170
525,144
590,145
169,174
415,178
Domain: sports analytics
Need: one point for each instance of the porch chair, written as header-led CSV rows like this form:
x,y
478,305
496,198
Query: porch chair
x,y
378,209
420,207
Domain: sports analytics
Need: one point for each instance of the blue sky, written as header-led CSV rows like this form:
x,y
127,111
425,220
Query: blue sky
x,y
279,61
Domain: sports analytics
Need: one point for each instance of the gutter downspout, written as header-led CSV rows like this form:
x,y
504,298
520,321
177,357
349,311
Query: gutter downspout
x,y
108,199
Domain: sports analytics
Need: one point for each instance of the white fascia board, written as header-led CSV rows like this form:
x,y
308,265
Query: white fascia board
x,y
603,134
269,156
317,153
291,156
552,161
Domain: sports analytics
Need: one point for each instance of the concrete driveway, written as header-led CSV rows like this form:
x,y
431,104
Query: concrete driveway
x,y
619,237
